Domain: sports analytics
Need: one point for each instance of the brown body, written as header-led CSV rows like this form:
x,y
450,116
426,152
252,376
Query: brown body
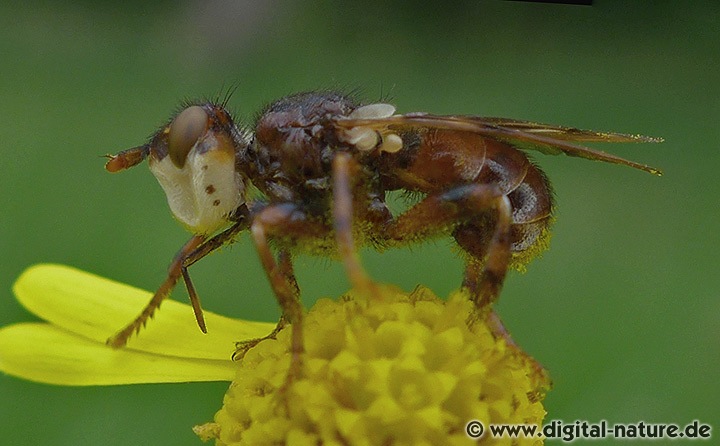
x,y
290,161
325,164
440,161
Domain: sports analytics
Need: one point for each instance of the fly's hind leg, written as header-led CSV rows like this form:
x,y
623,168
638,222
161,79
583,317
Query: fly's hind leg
x,y
487,241
481,216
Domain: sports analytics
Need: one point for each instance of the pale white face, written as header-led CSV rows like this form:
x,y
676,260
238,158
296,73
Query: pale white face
x,y
197,172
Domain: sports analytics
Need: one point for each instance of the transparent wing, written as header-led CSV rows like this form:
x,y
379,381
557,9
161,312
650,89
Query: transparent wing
x,y
523,135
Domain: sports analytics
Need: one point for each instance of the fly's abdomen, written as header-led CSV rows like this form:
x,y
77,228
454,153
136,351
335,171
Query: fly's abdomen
x,y
530,197
532,207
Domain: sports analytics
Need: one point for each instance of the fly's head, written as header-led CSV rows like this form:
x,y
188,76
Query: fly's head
x,y
193,158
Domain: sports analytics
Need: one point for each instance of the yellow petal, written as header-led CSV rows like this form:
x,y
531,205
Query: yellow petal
x,y
44,353
95,308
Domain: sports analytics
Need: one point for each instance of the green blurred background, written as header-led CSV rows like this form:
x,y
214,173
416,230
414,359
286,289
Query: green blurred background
x,y
623,309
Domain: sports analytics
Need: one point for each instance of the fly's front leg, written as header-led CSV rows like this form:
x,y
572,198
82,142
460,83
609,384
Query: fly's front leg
x,y
201,251
195,249
120,338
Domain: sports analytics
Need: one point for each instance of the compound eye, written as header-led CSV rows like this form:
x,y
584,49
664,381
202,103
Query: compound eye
x,y
185,130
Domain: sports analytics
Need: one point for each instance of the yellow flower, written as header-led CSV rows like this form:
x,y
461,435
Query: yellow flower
x,y
403,369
